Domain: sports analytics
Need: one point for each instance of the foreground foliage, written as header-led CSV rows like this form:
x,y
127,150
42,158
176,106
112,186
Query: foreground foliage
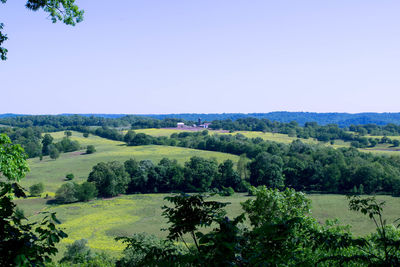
x,y
281,233
21,242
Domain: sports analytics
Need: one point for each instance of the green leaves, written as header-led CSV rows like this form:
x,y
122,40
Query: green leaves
x,y
274,206
189,213
147,250
367,206
21,244
59,10
13,164
3,38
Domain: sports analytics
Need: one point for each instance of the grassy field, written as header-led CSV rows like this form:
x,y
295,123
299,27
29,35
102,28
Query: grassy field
x,y
276,137
382,149
52,172
100,221
280,138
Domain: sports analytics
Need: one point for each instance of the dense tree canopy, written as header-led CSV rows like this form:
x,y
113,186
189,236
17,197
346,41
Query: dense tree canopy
x,y
298,165
199,173
110,178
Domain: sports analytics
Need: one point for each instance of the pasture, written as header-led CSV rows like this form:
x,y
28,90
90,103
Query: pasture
x,y
100,221
52,172
276,137
382,149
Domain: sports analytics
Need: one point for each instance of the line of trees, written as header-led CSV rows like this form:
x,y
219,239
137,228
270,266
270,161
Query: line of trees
x,y
298,165
109,128
63,122
109,179
324,133
310,129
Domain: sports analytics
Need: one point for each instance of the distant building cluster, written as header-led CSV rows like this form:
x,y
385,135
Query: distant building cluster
x,y
199,124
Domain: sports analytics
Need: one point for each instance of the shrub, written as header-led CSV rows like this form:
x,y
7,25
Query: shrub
x,y
86,191
77,252
90,149
396,143
53,152
86,135
66,193
68,133
69,176
36,189
226,191
67,145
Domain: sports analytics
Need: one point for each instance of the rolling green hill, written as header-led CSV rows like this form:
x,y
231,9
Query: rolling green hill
x,y
100,221
383,149
52,172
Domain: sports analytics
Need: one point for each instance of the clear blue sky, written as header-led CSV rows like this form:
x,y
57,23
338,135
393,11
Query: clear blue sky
x,y
205,56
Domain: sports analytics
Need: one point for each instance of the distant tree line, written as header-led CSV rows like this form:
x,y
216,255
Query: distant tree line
x,y
298,165
310,129
325,133
341,119
63,122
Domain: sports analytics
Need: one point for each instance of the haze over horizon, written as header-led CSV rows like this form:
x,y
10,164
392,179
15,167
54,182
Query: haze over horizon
x,y
206,113
162,57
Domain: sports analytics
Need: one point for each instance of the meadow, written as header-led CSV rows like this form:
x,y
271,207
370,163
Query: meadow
x,y
276,137
382,149
100,221
52,172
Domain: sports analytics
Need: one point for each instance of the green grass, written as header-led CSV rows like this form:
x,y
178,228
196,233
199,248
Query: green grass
x,y
276,137
100,221
326,206
52,172
158,132
280,138
385,149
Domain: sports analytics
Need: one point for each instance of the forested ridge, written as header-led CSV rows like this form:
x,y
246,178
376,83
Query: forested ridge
x,y
341,119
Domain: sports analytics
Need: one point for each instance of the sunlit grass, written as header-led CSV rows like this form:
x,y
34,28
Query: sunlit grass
x,y
52,172
100,221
